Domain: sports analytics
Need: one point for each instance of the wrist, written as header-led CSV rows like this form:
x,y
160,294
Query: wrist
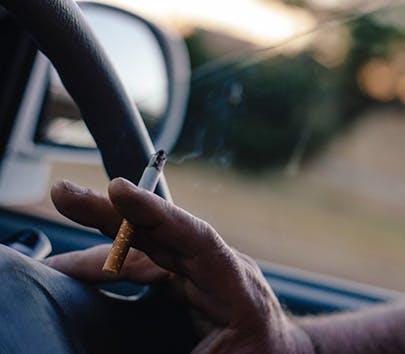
x,y
289,337
286,337
301,342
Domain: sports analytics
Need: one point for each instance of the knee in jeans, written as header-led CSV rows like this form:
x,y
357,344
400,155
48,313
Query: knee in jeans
x,y
11,260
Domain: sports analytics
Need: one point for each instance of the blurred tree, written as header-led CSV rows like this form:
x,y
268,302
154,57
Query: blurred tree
x,y
257,116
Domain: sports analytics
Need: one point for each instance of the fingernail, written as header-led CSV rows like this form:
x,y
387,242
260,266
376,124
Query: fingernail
x,y
120,181
73,188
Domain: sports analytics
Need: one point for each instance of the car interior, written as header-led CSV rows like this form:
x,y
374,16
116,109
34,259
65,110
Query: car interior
x,y
59,314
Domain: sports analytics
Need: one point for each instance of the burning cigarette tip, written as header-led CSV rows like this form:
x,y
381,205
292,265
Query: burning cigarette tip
x,y
158,160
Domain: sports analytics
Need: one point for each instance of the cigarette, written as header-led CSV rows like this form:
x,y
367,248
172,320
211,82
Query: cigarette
x,y
125,235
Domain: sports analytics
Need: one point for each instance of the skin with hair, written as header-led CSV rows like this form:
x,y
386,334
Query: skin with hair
x,y
233,307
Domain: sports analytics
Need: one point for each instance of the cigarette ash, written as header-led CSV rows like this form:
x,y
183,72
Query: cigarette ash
x,y
159,159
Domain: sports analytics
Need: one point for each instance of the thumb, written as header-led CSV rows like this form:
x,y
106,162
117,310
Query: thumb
x,y
87,265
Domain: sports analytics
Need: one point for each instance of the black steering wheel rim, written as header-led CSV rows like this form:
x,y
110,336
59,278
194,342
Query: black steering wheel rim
x,y
63,35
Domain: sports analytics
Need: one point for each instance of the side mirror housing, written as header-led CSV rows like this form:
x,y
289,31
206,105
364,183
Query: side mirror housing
x,y
153,65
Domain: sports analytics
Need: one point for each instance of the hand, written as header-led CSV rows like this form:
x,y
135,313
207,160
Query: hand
x,y
235,309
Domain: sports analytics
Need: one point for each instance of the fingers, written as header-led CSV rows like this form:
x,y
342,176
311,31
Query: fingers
x,y
171,226
213,278
87,265
85,207
176,240
164,223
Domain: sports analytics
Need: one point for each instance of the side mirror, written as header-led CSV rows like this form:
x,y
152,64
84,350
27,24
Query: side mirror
x,y
153,65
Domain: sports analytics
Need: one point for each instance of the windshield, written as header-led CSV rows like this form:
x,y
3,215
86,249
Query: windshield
x,y
293,140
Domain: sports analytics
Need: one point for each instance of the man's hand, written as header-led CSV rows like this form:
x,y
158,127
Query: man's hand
x,y
235,310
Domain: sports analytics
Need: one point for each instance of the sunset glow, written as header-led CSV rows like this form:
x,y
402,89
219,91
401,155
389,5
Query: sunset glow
x,y
262,23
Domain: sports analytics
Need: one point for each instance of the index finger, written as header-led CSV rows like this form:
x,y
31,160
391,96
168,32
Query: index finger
x,y
86,207
165,223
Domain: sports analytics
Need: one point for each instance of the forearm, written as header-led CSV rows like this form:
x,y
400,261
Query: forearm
x,y
376,330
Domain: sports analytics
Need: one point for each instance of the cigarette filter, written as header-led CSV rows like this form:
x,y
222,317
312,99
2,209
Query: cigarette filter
x,y
123,240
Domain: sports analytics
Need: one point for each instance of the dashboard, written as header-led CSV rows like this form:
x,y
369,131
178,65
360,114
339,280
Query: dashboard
x,y
299,291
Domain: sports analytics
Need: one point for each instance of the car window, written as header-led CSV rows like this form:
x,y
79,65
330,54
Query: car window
x,y
293,141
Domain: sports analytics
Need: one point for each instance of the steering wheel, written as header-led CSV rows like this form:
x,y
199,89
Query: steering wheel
x,y
62,33
42,310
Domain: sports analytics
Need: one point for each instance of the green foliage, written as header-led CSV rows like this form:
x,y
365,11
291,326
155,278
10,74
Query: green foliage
x,y
372,39
258,116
